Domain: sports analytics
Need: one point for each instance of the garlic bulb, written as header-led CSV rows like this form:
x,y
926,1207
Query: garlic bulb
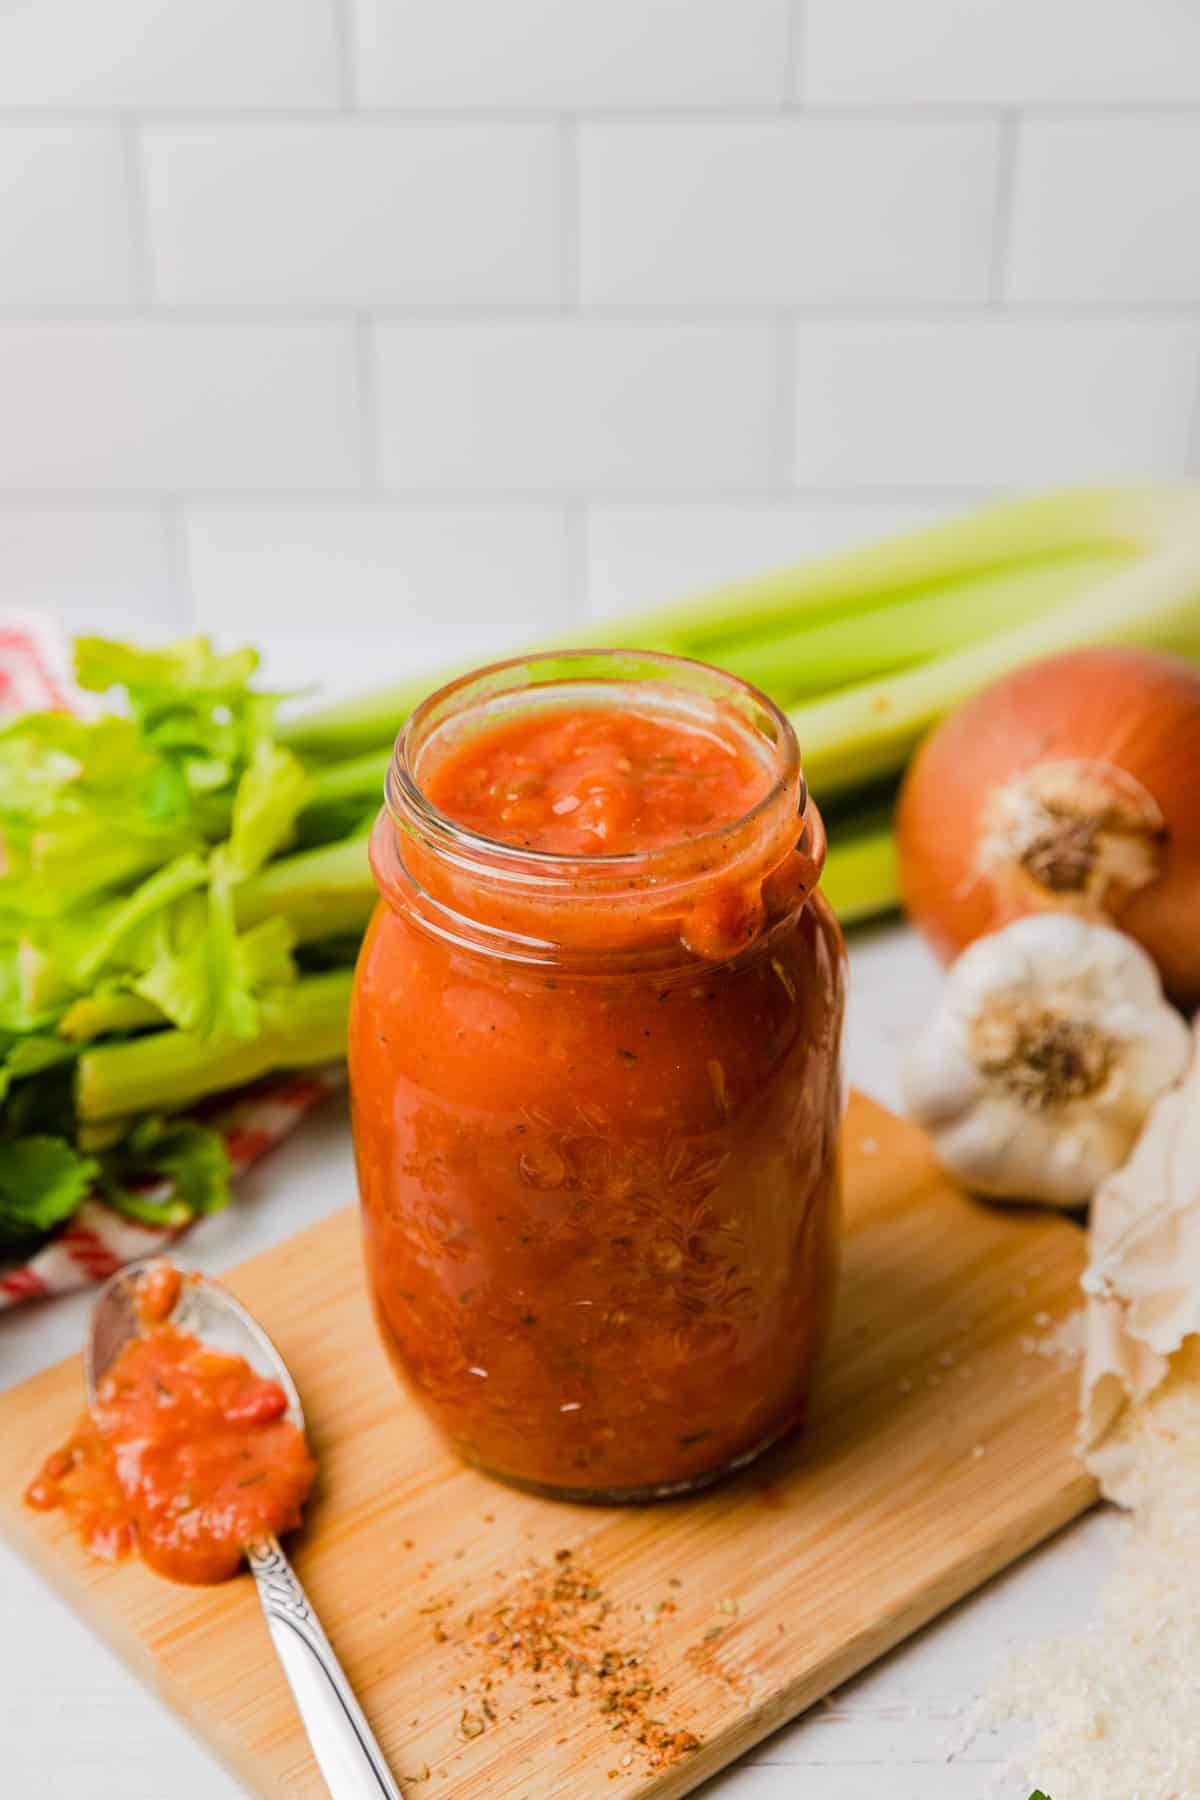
x,y
1051,1043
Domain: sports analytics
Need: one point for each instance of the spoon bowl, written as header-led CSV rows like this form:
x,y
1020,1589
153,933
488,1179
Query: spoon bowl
x,y
343,1743
203,1309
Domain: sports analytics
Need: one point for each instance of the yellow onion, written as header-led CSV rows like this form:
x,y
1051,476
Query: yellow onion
x,y
1071,785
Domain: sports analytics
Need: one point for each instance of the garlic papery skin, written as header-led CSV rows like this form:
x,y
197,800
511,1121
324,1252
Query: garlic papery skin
x,y
1051,1042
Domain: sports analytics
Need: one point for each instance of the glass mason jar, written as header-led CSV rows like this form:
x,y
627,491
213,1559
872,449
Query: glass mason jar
x,y
596,1105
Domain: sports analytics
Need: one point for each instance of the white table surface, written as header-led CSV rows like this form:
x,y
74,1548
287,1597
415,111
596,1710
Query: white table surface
x,y
74,1723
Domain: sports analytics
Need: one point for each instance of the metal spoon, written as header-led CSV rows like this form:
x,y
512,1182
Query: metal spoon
x,y
342,1742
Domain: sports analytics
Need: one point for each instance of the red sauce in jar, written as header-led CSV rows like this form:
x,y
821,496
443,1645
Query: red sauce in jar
x,y
185,1455
595,1076
596,782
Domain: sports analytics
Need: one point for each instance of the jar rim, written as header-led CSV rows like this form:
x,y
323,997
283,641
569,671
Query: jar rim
x,y
408,805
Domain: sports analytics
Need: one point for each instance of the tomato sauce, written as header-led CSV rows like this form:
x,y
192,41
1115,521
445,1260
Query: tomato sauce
x,y
185,1456
597,782
596,1089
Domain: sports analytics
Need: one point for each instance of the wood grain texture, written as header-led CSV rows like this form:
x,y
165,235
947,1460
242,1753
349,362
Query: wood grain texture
x,y
940,1449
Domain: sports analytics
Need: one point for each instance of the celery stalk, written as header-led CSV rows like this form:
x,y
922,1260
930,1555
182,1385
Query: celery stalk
x,y
91,1138
161,1215
321,893
1015,535
305,1025
357,778
837,653
869,731
96,1015
347,727
299,1027
822,655
860,879
1012,534
41,984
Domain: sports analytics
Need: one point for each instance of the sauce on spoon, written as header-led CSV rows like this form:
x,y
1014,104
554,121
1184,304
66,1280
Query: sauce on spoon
x,y
186,1454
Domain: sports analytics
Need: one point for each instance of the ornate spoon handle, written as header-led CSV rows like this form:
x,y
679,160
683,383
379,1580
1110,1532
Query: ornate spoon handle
x,y
342,1741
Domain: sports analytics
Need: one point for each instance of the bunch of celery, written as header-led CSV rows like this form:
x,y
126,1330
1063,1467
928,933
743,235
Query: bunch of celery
x,y
182,887
869,648
153,949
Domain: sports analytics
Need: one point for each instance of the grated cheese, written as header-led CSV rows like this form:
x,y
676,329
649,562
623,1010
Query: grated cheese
x,y
1116,1706
1063,1343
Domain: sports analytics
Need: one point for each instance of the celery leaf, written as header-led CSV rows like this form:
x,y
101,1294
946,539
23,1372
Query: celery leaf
x,y
42,1182
190,1157
269,797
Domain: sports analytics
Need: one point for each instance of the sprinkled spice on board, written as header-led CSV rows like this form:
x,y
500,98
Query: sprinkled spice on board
x,y
558,1627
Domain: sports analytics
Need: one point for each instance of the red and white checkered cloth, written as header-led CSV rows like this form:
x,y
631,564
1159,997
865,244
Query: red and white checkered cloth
x,y
35,673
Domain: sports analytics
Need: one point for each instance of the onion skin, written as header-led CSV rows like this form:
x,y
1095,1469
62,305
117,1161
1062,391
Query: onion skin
x,y
1132,711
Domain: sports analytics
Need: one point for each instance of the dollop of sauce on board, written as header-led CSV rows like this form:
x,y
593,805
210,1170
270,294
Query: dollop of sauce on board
x,y
185,1455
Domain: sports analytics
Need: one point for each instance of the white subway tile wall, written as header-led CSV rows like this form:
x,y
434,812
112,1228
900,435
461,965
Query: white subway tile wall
x,y
635,554
576,406
419,327
1107,208
782,211
1000,52
155,405
170,55
92,566
394,583
65,216
354,214
993,403
571,53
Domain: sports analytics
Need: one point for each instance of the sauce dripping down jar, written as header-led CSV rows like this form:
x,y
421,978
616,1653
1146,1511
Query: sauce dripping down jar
x,y
597,1093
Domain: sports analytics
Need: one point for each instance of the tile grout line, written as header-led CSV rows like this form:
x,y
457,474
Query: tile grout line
x,y
343,26
482,314
179,568
715,112
475,498
781,426
370,449
1005,200
568,214
141,266
574,516
797,23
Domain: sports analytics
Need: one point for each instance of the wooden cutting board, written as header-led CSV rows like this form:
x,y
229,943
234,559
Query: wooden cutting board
x,y
939,1451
